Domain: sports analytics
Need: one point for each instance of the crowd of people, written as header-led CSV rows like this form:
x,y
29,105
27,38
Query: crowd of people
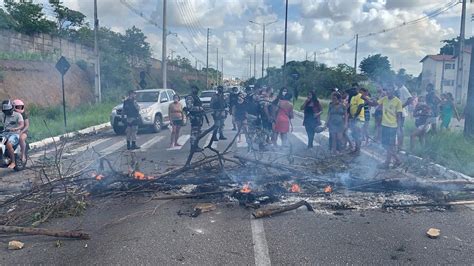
x,y
348,117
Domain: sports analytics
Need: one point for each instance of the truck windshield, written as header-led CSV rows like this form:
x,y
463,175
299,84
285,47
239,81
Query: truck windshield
x,y
149,96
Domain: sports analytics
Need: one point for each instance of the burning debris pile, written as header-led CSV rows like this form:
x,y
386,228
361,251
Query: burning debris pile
x,y
282,181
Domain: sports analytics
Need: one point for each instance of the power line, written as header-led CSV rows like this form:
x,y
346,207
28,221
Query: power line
x,y
186,21
415,21
189,13
431,14
150,21
197,24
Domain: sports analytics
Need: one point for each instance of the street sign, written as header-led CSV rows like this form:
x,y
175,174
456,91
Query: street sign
x,y
62,65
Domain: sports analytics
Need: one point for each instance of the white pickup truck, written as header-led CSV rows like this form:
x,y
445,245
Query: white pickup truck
x,y
153,110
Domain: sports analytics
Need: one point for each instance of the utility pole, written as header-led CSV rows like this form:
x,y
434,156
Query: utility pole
x,y
263,40
460,69
250,66
263,50
286,39
222,70
355,57
268,60
217,66
98,89
314,60
469,110
164,67
207,60
255,61
306,58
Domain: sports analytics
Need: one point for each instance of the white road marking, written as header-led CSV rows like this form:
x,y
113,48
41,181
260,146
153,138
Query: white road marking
x,y
114,147
208,139
260,247
87,146
243,142
182,140
304,138
147,145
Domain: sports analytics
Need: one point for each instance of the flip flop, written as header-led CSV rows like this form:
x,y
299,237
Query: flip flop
x,y
11,166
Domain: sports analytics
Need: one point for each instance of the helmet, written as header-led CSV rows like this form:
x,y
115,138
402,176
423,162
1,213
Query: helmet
x,y
20,105
7,107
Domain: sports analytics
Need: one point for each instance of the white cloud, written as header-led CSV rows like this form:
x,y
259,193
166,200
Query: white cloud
x,y
315,25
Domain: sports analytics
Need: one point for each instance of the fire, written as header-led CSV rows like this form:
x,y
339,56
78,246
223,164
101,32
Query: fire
x,y
295,188
139,175
328,189
246,188
97,176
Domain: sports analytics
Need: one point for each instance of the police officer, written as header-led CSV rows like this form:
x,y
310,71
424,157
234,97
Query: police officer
x,y
132,111
195,96
218,105
196,116
233,99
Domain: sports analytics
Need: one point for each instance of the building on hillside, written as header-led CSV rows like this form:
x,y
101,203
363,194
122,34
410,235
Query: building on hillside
x,y
441,71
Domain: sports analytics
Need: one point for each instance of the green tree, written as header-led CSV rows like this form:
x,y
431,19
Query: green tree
x,y
135,46
6,21
377,68
67,19
29,17
451,47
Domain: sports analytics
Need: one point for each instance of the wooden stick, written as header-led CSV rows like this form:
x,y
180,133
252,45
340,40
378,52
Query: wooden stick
x,y
43,231
260,213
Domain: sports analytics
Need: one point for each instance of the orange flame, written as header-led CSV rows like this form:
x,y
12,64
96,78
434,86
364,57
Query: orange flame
x,y
246,188
97,176
295,188
328,189
139,175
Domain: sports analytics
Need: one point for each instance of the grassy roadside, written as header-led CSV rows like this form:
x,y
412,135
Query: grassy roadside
x,y
324,103
449,149
77,118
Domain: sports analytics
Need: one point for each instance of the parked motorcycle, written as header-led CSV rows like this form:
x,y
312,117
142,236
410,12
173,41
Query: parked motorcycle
x,y
5,159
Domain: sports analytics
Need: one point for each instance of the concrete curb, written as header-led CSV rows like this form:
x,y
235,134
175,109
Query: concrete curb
x,y
50,140
441,170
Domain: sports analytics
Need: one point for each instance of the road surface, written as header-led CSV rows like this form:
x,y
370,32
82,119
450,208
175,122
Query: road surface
x,y
137,231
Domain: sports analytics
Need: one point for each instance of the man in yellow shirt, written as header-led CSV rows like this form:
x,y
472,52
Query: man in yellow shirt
x,y
391,121
357,117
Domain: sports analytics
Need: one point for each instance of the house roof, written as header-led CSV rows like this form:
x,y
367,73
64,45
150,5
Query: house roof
x,y
439,57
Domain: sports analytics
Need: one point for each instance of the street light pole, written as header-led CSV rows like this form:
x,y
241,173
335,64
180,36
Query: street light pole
x,y
163,47
263,40
98,90
286,38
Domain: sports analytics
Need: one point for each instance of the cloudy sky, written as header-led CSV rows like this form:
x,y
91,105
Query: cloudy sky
x,y
314,26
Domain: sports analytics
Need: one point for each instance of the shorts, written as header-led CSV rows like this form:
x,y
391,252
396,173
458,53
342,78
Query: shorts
x,y
177,122
389,136
356,127
12,138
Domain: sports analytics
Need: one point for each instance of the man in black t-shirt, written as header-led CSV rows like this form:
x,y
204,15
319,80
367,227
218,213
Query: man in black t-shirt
x,y
132,111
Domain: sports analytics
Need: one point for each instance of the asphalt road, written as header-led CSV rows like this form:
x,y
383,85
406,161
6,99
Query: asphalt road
x,y
136,230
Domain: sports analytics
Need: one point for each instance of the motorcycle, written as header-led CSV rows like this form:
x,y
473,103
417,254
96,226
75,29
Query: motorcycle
x,y
5,159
